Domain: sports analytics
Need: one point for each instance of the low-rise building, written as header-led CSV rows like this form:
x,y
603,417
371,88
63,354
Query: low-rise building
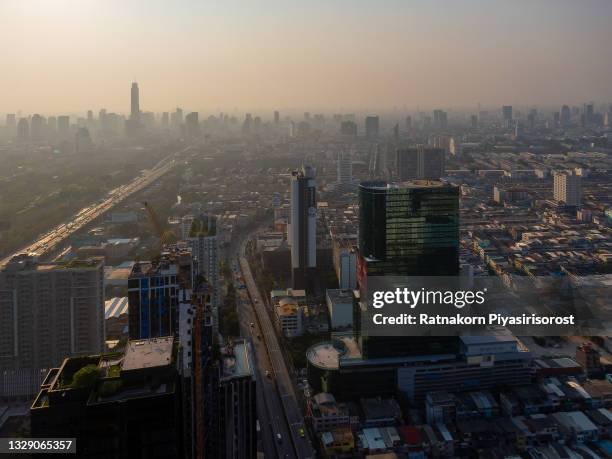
x,y
290,317
337,441
326,414
576,426
340,304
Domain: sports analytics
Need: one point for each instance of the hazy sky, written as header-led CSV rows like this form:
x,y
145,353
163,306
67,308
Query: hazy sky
x,y
62,55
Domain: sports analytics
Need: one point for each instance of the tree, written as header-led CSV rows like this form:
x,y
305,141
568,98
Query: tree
x,y
86,376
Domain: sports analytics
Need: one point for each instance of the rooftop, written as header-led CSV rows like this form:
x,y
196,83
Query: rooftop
x,y
237,360
337,295
412,184
115,307
148,353
327,354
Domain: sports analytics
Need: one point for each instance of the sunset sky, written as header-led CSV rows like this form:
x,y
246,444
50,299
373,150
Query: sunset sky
x,y
61,55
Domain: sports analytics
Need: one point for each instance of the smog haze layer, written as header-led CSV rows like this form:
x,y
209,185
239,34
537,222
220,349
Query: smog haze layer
x,y
243,55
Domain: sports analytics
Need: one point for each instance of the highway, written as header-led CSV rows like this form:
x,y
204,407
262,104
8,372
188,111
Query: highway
x,y
269,408
287,416
53,239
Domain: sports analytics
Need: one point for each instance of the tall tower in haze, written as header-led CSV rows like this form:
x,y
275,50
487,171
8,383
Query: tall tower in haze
x,y
303,229
135,102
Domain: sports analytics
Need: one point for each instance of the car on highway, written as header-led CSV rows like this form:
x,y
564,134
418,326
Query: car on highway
x,y
268,375
252,325
302,432
279,438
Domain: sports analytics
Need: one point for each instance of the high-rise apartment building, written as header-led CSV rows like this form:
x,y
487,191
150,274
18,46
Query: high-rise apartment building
x,y
49,311
568,188
303,227
344,171
202,239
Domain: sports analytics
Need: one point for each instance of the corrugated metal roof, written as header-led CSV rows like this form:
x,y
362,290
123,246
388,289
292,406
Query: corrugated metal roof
x,y
115,307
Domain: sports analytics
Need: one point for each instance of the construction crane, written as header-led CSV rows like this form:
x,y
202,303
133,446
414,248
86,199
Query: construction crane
x,y
163,236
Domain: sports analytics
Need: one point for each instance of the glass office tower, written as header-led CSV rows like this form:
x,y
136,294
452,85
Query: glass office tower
x,y
407,229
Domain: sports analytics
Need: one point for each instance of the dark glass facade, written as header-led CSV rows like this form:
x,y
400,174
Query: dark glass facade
x,y
153,300
408,229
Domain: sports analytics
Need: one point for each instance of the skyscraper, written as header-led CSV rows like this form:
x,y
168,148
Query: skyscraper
x,y
372,127
348,128
37,127
407,229
303,227
11,125
23,130
440,119
63,126
565,117
567,188
192,126
135,102
176,119
82,141
408,123
507,113
474,121
431,163
420,163
276,117
407,163
589,113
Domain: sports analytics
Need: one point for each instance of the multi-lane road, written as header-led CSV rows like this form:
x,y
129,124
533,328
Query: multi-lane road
x,y
285,418
53,239
269,407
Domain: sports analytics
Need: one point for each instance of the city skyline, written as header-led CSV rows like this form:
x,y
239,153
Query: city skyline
x,y
210,57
